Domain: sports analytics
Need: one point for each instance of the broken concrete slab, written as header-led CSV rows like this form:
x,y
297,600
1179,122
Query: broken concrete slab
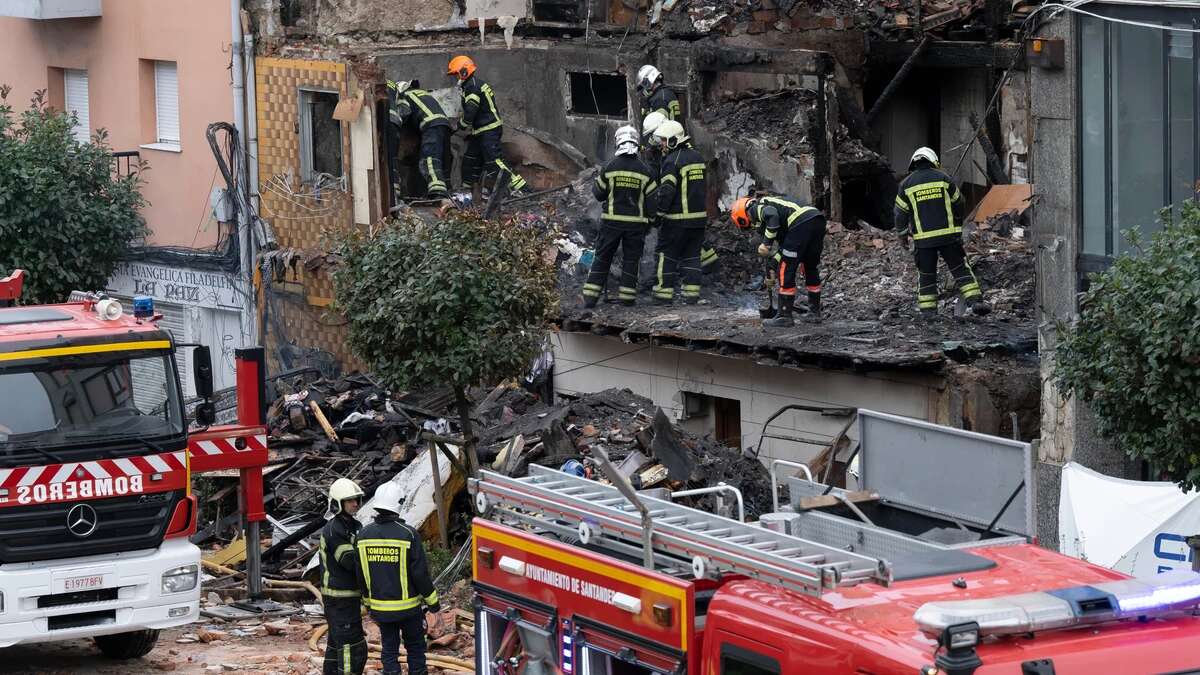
x,y
669,450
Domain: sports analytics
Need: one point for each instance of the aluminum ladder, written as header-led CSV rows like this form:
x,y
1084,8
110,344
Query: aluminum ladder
x,y
684,540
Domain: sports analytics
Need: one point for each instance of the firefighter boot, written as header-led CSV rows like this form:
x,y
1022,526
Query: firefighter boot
x,y
783,318
929,315
814,307
979,307
589,301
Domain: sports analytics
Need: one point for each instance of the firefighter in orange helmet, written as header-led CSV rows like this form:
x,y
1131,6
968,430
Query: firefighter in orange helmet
x,y
799,230
482,160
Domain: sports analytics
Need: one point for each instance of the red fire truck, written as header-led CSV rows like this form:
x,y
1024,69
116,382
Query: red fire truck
x,y
573,576
95,467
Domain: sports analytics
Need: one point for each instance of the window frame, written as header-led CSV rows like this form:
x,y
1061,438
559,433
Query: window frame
x,y
305,128
1088,262
161,139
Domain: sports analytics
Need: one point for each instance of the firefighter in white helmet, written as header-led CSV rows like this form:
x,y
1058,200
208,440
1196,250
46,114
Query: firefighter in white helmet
x,y
681,200
623,187
346,646
657,97
929,207
398,589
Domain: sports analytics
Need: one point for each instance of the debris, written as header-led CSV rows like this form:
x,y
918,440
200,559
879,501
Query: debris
x,y
1004,200
668,450
323,422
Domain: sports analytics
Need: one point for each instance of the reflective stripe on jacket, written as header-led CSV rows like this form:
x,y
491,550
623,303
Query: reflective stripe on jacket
x,y
930,205
682,195
776,215
479,106
339,574
394,570
623,186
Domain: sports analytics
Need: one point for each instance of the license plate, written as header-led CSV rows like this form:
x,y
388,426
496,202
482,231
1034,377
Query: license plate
x,y
84,583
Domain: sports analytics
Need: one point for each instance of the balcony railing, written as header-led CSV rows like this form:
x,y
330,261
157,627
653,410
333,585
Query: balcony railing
x,y
127,162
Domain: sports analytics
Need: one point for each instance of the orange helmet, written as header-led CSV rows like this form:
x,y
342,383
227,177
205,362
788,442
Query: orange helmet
x,y
739,214
461,66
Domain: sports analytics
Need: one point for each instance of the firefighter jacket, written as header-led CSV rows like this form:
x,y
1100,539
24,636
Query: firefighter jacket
x,y
664,101
424,111
930,206
775,216
339,565
479,106
395,575
623,186
682,194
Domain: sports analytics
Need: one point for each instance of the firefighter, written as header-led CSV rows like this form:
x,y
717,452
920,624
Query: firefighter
x,y
655,96
799,230
397,588
417,109
623,186
653,156
929,207
481,120
346,646
681,200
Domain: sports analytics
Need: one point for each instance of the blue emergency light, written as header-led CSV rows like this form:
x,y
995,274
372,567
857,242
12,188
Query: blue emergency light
x,y
143,306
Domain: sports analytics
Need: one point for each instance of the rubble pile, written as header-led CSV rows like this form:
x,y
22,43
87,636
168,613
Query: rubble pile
x,y
638,438
785,118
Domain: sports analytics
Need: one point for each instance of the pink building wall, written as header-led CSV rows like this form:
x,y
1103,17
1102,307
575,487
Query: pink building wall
x,y
116,50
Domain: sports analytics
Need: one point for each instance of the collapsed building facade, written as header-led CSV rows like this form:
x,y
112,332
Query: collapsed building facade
x,y
822,100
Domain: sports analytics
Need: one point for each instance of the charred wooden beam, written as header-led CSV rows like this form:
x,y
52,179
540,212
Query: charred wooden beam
x,y
898,80
742,59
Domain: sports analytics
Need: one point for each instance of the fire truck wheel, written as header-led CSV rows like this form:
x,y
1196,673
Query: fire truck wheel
x,y
127,645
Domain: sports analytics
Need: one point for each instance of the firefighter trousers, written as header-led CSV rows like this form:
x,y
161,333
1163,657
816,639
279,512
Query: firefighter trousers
x,y
433,148
632,242
800,255
678,260
956,260
412,629
483,158
346,644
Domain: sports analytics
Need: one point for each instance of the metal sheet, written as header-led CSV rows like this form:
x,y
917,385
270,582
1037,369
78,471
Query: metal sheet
x,y
947,471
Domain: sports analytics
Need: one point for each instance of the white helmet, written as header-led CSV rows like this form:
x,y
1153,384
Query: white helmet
x,y
652,122
399,87
627,140
388,498
926,154
341,490
647,77
672,132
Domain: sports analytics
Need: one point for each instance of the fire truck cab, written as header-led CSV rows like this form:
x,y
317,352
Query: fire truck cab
x,y
95,466
577,576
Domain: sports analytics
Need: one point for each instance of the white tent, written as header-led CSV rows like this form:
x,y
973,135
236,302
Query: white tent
x,y
1134,527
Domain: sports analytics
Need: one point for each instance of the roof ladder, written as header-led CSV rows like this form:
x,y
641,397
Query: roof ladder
x,y
599,516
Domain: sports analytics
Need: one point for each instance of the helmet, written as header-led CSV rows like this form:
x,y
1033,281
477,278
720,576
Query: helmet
x,y
401,86
341,490
647,77
461,66
740,214
923,154
627,140
652,122
388,498
672,132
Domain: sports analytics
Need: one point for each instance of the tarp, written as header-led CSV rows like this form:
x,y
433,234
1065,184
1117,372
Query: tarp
x,y
1136,527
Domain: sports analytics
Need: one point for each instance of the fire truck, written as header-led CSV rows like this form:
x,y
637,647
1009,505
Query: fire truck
x,y
96,459
924,565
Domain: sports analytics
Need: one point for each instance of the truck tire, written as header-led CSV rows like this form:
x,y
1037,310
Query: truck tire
x,y
127,645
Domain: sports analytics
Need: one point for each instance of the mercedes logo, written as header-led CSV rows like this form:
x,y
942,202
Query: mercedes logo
x,y
82,520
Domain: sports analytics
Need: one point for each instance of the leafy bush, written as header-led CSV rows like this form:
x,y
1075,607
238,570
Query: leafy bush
x,y
462,301
1134,352
65,216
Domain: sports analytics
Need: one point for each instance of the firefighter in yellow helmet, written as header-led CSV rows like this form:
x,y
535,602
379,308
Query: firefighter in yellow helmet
x,y
397,588
929,207
483,159
346,645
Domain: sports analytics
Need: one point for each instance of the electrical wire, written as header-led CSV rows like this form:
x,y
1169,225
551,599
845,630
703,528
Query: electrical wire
x,y
1074,7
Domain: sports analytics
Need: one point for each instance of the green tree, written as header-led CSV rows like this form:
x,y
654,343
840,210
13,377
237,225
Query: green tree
x,y
1134,353
461,301
65,216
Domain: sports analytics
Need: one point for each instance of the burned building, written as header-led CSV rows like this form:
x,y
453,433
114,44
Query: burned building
x,y
823,100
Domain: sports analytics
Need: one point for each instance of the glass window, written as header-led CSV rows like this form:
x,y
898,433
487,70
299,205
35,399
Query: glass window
x,y
741,661
1137,122
1093,140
